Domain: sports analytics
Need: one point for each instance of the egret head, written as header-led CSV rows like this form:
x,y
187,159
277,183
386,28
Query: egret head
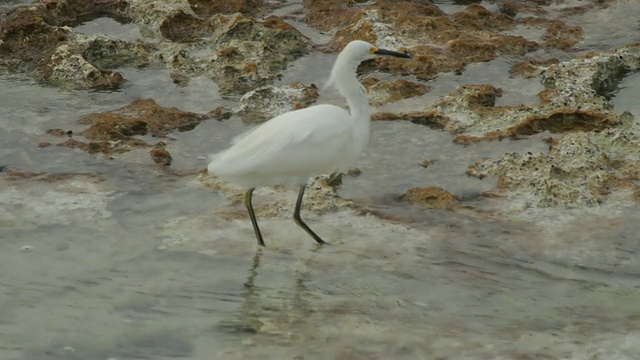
x,y
358,51
350,57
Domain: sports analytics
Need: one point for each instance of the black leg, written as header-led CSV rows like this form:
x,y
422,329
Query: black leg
x,y
252,215
298,219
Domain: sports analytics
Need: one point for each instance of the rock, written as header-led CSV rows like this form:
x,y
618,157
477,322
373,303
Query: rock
x,y
581,169
427,162
381,92
104,52
433,197
207,8
220,113
71,12
114,131
158,18
558,34
27,40
269,101
140,117
56,132
246,53
35,39
106,147
532,68
474,34
67,68
180,26
575,100
160,155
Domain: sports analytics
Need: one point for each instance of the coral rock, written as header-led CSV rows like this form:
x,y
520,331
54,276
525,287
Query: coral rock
x,y
269,101
431,196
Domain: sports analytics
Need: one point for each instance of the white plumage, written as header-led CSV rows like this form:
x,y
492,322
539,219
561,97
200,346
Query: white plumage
x,y
274,154
295,146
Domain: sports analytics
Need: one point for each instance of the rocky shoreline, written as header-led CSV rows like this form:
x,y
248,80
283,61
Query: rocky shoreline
x,y
244,50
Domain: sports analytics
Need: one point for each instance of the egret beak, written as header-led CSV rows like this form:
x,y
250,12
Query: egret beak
x,y
392,53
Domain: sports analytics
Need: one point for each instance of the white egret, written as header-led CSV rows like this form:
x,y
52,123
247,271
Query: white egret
x,y
295,146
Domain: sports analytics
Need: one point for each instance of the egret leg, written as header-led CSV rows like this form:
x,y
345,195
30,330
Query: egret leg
x,y
298,219
252,215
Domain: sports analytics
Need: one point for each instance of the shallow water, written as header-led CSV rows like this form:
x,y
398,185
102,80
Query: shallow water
x,y
122,260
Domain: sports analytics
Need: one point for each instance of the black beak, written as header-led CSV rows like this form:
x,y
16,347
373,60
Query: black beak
x,y
392,53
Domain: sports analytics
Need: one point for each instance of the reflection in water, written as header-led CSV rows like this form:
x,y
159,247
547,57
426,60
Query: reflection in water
x,y
271,311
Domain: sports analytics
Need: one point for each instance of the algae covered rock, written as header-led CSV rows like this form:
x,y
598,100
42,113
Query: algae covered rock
x,y
580,169
116,131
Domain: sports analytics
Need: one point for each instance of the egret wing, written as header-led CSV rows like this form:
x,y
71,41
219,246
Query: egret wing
x,y
302,142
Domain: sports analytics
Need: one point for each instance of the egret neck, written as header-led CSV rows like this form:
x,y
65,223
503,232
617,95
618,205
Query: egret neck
x,y
343,78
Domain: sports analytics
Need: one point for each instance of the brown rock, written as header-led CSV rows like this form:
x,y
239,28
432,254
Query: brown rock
x,y
429,118
140,117
562,36
477,17
185,28
433,197
33,39
73,12
427,162
56,132
114,131
474,34
559,34
220,113
481,96
532,68
564,120
330,14
27,40
161,156
93,147
426,62
381,92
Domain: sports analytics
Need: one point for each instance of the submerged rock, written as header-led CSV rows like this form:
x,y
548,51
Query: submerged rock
x,y
35,199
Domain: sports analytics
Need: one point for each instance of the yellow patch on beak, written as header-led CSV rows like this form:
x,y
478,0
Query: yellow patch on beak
x,y
373,50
